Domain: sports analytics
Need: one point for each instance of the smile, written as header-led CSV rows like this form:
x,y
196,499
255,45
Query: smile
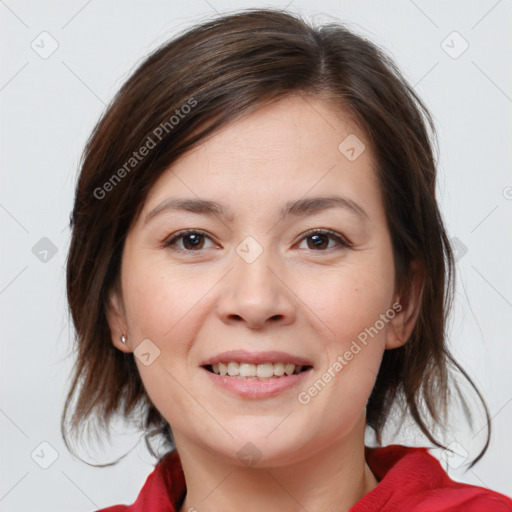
x,y
249,371
248,385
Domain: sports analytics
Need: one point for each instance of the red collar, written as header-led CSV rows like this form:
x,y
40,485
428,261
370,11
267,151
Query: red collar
x,y
410,479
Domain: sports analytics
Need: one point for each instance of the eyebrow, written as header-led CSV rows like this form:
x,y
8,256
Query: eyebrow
x,y
300,207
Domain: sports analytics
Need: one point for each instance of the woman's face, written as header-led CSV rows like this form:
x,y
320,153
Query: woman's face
x,y
253,285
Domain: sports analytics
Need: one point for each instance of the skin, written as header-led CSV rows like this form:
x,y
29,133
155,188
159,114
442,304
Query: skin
x,y
295,297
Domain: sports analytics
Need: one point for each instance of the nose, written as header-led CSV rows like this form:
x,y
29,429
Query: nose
x,y
256,294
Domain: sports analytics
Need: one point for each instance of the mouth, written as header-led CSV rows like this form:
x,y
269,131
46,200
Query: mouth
x,y
257,375
251,371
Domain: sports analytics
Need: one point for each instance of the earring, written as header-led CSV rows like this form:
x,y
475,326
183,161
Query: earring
x,y
123,338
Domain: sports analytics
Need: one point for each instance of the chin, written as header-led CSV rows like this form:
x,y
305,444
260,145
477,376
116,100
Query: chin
x,y
260,444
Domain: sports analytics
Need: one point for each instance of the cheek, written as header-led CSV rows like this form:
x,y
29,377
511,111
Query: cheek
x,y
161,300
352,303
351,298
159,309
351,359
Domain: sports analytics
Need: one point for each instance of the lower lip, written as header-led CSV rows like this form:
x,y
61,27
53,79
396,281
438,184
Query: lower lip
x,y
256,388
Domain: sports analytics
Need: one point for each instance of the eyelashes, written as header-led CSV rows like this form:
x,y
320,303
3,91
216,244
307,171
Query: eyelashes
x,y
196,238
340,239
171,242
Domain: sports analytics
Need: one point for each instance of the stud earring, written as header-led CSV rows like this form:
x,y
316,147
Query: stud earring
x,y
123,338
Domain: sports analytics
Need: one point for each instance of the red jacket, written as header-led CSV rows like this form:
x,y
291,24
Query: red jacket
x,y
410,479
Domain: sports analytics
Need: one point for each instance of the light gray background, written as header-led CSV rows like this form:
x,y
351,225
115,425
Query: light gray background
x,y
50,105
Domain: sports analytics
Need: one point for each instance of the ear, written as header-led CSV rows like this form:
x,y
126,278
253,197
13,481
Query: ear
x,y
116,319
407,308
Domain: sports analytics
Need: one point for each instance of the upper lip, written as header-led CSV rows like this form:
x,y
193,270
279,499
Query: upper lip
x,y
242,356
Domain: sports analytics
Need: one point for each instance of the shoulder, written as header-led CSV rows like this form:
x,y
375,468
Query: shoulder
x,y
412,479
163,490
463,498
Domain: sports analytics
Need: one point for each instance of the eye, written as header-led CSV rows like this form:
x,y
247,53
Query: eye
x,y
320,239
192,240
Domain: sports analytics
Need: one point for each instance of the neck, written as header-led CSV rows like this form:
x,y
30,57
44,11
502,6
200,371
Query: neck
x,y
333,479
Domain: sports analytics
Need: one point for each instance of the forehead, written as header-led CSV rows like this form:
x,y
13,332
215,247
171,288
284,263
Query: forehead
x,y
298,124
291,148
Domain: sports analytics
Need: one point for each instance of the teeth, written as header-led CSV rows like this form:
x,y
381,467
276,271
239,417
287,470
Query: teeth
x,y
265,370
247,370
261,371
289,368
233,369
278,369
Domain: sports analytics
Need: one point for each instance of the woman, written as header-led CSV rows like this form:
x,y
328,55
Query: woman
x,y
260,272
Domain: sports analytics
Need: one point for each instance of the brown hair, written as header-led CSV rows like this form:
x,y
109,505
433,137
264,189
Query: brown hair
x,y
224,69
